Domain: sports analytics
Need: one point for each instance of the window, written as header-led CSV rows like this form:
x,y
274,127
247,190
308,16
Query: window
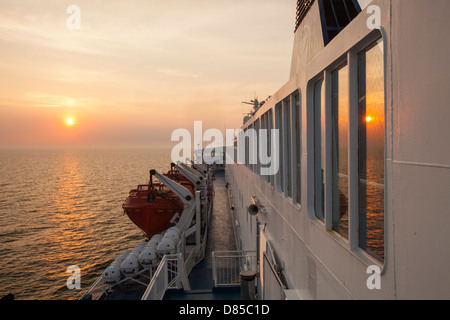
x,y
265,144
248,138
319,148
279,127
269,121
251,144
340,139
287,122
371,150
269,126
287,146
261,145
246,144
348,128
296,125
256,165
235,146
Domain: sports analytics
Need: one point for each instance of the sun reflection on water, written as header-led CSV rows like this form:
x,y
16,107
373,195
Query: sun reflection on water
x,y
63,208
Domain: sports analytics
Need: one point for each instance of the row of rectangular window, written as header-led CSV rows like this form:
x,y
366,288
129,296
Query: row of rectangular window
x,y
288,122
341,132
288,125
344,131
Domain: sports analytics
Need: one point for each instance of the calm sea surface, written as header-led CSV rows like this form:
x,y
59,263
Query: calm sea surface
x,y
60,208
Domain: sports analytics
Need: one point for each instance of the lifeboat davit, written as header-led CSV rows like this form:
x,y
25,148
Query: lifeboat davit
x,y
154,207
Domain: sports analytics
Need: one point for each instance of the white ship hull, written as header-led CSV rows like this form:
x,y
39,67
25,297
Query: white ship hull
x,y
315,261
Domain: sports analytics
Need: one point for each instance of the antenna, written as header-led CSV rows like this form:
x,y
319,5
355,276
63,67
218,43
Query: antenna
x,y
256,105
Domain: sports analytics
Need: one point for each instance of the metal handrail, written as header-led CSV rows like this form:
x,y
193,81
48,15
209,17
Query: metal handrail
x,y
160,281
92,288
227,266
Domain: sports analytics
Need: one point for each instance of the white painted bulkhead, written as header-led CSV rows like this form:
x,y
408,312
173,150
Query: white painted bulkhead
x,y
318,263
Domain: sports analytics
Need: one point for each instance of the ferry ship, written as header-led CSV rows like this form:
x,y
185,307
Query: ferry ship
x,y
358,207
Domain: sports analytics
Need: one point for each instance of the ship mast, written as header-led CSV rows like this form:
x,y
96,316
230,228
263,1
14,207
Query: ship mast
x,y
256,105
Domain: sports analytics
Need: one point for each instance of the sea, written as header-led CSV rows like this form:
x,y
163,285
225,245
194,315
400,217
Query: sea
x,y
61,210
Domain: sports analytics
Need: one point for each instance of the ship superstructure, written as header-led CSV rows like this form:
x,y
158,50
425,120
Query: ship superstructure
x,y
359,207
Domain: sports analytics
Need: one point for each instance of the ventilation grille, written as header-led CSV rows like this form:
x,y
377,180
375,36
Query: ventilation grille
x,y
303,7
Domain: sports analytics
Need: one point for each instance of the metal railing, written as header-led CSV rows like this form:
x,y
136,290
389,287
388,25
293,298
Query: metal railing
x,y
227,266
95,291
101,289
168,276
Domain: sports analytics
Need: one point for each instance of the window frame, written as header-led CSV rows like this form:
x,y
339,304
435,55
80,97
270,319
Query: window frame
x,y
279,179
350,58
288,184
296,112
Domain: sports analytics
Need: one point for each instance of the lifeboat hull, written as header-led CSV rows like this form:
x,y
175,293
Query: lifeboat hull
x,y
153,210
151,221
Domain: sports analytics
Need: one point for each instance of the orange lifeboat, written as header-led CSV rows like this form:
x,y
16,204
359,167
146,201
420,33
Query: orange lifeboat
x,y
154,207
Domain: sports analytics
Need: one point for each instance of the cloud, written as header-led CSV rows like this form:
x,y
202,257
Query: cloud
x,y
140,60
48,100
178,73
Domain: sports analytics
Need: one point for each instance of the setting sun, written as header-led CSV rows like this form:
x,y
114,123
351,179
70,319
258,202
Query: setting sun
x,y
69,122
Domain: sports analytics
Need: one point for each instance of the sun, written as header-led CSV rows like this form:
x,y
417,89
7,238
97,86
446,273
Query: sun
x,y
70,122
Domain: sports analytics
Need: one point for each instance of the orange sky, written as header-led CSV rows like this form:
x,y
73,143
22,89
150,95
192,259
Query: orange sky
x,y
136,70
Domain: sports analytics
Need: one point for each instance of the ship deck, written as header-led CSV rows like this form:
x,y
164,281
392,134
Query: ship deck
x,y
221,238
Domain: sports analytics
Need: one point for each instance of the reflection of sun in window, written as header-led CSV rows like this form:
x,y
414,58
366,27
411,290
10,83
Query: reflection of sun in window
x,y
369,119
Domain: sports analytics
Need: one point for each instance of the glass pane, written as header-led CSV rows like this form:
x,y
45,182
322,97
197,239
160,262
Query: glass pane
x,y
261,137
371,150
340,151
319,148
246,148
279,127
256,148
297,129
251,147
287,144
269,142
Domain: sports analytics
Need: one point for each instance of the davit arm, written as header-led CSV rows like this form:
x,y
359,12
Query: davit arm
x,y
184,194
